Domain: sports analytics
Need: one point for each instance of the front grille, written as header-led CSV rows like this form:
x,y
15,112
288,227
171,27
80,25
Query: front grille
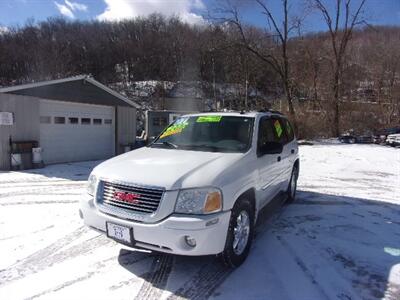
x,y
146,200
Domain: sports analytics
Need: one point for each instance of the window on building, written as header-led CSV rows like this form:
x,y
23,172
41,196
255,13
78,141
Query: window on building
x,y
97,121
59,120
108,121
73,120
163,121
45,119
156,121
85,121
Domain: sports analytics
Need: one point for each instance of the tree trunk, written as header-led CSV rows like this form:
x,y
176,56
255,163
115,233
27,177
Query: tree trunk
x,y
336,98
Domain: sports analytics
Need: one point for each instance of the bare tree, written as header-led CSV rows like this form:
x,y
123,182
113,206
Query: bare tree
x,y
340,30
279,60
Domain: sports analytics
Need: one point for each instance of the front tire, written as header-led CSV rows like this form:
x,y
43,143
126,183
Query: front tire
x,y
240,234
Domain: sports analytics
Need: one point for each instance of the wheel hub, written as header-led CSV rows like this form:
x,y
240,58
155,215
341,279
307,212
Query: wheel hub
x,y
241,232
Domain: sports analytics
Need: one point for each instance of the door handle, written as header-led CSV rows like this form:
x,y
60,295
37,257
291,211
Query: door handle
x,y
279,158
292,151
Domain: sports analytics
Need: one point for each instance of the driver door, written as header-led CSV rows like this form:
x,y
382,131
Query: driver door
x,y
270,166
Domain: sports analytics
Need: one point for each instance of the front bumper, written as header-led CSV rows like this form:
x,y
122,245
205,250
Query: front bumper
x,y
168,235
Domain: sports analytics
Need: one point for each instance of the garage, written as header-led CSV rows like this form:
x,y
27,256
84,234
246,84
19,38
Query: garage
x,y
71,119
63,125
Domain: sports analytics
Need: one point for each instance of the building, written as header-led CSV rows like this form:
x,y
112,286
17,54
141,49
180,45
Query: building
x,y
72,119
157,120
186,96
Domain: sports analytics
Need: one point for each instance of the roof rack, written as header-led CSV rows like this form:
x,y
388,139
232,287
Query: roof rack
x,y
271,111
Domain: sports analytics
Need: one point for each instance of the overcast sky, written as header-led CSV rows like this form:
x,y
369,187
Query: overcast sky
x,y
16,12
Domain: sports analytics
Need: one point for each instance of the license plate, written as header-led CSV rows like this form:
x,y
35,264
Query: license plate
x,y
120,233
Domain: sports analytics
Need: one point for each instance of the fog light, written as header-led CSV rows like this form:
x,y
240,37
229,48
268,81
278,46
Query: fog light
x,y
190,241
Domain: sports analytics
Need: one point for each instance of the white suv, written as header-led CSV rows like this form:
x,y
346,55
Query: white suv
x,y
198,188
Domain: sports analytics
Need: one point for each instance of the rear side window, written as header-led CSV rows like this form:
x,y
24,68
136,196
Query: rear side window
x,y
289,130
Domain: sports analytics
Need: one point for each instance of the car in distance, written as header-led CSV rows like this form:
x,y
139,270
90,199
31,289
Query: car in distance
x,y
198,188
393,139
382,134
349,138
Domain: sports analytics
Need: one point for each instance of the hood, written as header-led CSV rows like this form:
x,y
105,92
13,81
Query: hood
x,y
166,168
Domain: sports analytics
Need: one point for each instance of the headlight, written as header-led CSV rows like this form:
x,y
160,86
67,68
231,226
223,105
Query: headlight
x,y
199,201
91,184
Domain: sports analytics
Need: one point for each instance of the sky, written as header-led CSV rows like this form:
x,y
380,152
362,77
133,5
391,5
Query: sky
x,y
17,12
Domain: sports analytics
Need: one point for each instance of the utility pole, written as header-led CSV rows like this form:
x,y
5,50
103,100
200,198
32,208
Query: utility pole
x,y
245,101
215,95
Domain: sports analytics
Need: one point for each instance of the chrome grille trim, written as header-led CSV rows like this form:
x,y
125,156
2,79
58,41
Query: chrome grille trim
x,y
149,198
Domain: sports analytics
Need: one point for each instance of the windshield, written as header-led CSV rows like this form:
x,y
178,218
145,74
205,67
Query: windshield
x,y
213,133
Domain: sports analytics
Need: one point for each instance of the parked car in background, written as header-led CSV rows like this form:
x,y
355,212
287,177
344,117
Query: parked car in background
x,y
380,136
350,138
347,138
393,139
199,187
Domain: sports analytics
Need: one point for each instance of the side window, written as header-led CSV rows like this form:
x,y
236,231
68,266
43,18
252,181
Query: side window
x,y
279,130
266,132
289,130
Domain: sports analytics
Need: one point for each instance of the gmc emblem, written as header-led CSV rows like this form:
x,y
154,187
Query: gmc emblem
x,y
127,197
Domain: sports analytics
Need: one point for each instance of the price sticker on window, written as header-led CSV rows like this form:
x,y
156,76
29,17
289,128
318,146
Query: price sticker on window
x,y
278,128
176,128
209,119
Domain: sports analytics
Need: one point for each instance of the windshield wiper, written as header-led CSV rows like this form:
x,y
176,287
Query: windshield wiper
x,y
204,146
168,144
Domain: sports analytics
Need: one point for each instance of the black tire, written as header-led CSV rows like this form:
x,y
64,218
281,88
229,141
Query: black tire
x,y
229,257
291,195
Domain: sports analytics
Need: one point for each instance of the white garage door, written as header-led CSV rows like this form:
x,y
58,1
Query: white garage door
x,y
75,132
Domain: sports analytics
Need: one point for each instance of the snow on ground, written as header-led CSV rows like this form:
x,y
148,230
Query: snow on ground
x,y
339,240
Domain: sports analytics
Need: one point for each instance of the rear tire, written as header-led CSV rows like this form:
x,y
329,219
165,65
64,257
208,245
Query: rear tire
x,y
292,188
240,234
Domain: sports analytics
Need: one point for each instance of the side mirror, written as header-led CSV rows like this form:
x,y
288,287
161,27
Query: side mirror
x,y
270,148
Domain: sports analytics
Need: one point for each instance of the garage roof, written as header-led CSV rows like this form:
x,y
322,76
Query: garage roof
x,y
83,89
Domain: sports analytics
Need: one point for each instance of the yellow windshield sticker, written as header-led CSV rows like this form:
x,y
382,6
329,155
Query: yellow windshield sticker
x,y
278,128
176,128
209,119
